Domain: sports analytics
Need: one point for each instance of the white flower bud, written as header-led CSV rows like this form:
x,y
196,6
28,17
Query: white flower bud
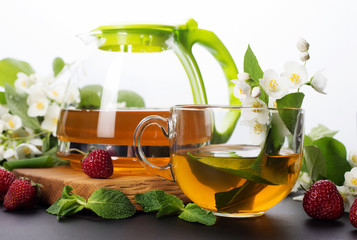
x,y
352,158
302,45
319,82
243,76
304,56
255,92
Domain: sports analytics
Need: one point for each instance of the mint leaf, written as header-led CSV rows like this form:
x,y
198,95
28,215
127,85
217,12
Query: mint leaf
x,y
168,210
167,204
321,131
9,68
110,204
290,116
315,163
335,155
18,106
106,203
67,204
57,65
158,200
194,213
68,207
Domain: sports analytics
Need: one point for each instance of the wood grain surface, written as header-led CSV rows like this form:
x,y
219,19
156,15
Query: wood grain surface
x,y
54,179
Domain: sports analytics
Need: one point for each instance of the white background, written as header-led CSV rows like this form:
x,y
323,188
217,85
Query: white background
x,y
38,31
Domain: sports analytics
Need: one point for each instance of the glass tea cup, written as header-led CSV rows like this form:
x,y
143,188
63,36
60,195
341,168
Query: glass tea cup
x,y
241,173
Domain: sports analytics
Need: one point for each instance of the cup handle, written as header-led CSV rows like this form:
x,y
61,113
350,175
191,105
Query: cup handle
x,y
162,171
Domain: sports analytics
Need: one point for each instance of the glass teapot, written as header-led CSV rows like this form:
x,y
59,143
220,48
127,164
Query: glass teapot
x,y
133,71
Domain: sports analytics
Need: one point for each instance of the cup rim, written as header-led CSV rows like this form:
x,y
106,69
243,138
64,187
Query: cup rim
x,y
201,107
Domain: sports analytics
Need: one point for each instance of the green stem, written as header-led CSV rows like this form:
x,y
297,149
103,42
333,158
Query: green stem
x,y
31,136
37,162
76,150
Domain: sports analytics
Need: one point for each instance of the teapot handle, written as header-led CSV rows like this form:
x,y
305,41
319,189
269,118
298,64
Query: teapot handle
x,y
188,35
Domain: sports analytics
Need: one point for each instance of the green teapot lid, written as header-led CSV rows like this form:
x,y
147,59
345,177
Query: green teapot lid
x,y
137,37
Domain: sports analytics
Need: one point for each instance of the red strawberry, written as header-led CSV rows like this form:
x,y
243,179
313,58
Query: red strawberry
x,y
323,201
353,214
97,164
6,178
23,193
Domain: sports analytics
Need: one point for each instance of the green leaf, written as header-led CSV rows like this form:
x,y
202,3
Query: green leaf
x,y
2,98
66,193
98,89
110,204
335,155
67,204
315,163
251,168
132,99
321,131
307,141
57,65
65,207
89,99
241,197
37,162
18,106
46,142
276,136
251,65
9,68
157,200
194,213
290,116
168,210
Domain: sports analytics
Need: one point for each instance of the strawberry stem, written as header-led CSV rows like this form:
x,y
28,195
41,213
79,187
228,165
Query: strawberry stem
x,y
77,150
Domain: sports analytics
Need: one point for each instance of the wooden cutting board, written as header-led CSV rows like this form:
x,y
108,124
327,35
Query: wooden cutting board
x,y
54,179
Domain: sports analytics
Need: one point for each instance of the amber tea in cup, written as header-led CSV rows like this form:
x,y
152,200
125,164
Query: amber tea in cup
x,y
239,169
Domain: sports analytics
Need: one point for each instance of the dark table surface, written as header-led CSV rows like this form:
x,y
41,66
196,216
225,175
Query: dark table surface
x,y
287,220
